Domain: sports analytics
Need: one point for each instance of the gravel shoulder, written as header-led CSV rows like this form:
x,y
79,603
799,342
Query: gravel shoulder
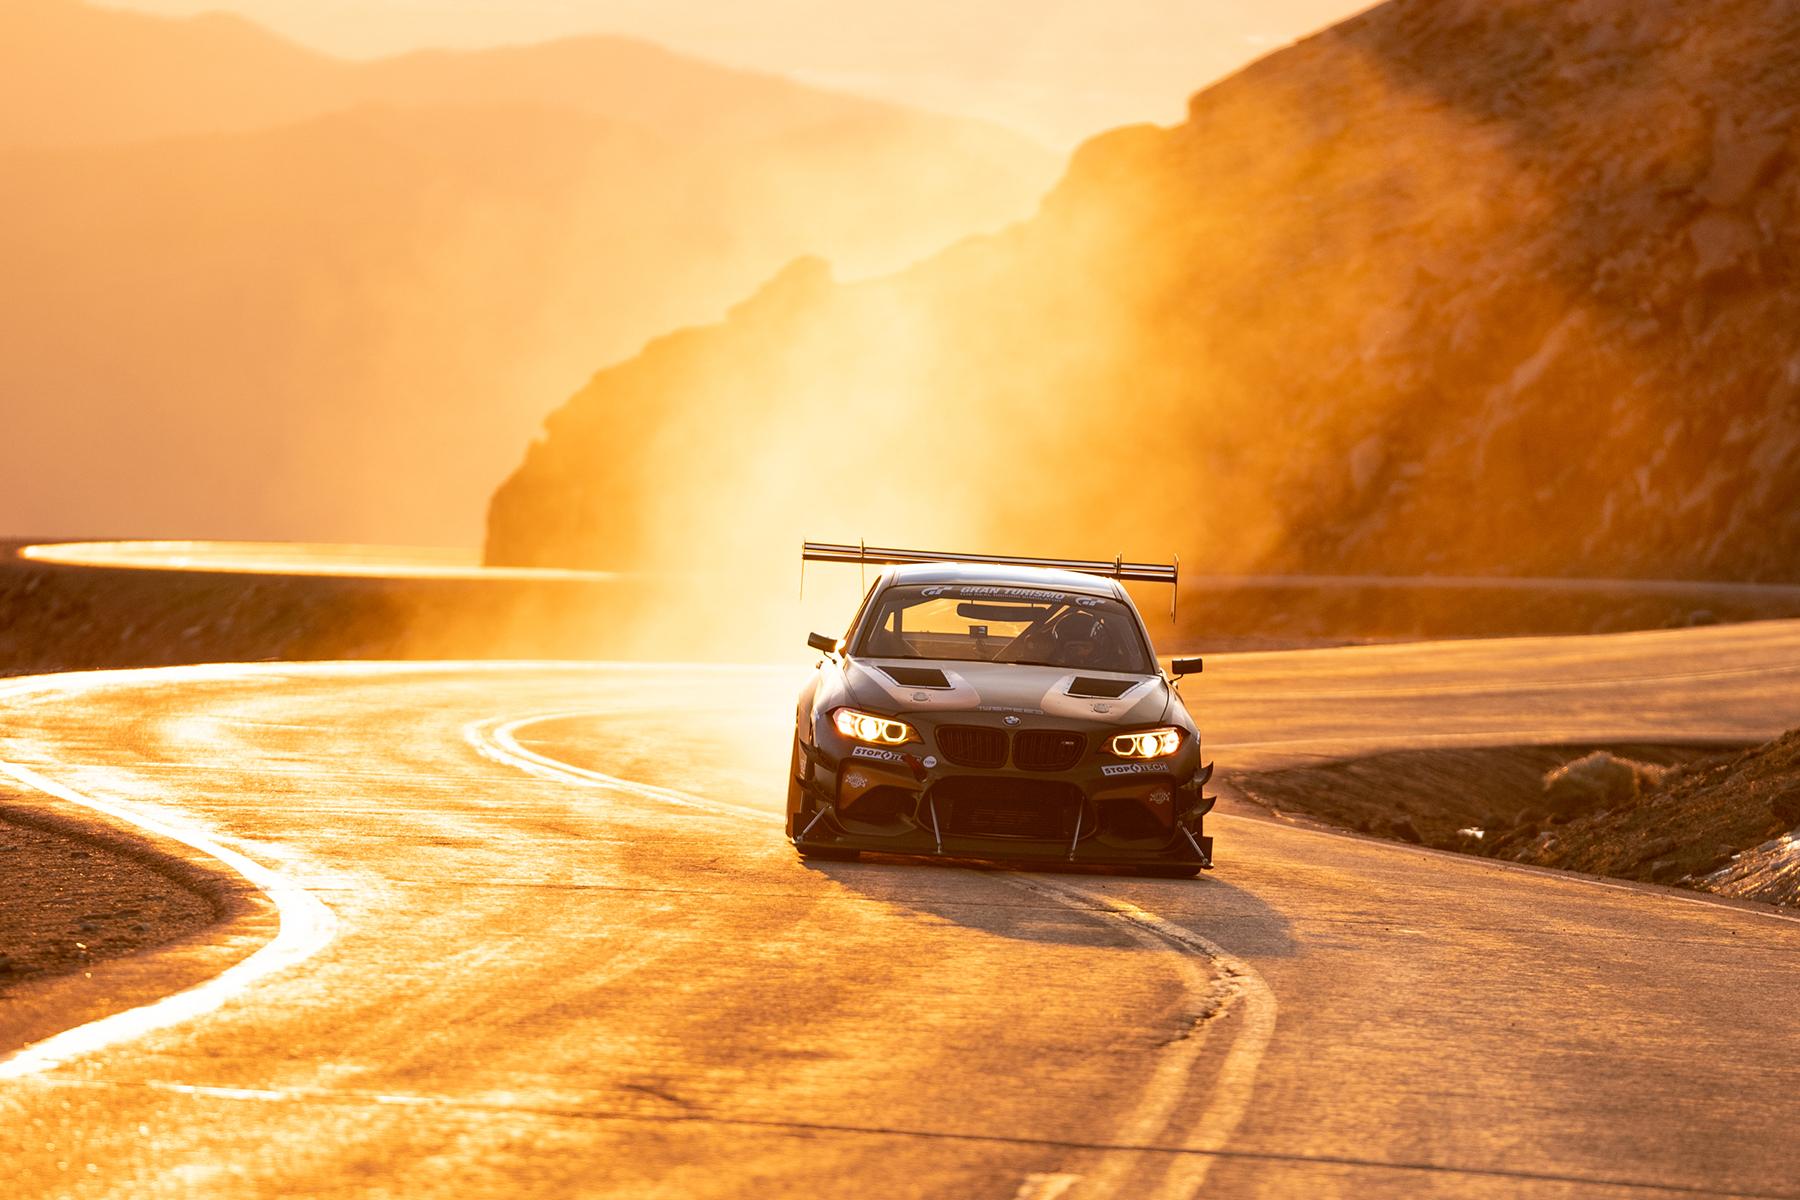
x,y
79,897
1688,816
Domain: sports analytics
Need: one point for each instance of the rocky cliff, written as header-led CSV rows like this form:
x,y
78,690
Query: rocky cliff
x,y
1456,286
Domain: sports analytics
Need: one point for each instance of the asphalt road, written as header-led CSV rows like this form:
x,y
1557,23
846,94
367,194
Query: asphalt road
x,y
540,934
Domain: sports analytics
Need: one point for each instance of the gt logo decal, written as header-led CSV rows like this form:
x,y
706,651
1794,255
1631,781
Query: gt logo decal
x,y
1016,593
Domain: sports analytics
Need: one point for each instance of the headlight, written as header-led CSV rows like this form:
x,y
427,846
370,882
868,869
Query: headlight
x,y
867,727
1147,743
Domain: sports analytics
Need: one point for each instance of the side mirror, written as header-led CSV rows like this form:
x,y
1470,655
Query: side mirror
x,y
1187,666
820,641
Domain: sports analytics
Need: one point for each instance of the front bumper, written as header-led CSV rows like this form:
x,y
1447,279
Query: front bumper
x,y
1100,813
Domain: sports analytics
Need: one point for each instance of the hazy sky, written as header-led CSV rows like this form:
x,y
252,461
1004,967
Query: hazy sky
x,y
1058,69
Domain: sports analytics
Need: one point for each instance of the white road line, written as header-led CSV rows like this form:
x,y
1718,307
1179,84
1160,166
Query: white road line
x,y
306,927
1237,989
306,924
498,742
1232,986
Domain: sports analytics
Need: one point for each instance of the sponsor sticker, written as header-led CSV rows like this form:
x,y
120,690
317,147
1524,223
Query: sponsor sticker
x,y
1011,593
876,753
1139,768
930,761
856,779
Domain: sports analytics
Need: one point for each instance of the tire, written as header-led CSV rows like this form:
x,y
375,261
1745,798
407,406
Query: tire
x,y
796,797
797,809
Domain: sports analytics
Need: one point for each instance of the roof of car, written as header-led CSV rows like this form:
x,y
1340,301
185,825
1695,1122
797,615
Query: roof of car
x,y
983,574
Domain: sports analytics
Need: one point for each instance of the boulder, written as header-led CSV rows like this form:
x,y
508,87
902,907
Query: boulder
x,y
1597,780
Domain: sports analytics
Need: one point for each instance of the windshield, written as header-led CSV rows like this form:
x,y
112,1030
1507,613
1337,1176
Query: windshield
x,y
991,623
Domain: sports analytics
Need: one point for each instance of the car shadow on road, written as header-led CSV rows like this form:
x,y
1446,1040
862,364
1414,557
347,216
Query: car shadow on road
x,y
986,897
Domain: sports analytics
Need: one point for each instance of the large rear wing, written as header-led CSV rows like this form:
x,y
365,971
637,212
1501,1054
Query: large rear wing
x,y
886,556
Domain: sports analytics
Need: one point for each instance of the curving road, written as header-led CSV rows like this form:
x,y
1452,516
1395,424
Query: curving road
x,y
295,558
539,934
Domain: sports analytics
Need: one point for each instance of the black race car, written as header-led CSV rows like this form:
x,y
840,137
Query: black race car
x,y
997,708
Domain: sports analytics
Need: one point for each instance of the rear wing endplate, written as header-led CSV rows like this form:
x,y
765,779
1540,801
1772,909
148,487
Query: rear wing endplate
x,y
885,556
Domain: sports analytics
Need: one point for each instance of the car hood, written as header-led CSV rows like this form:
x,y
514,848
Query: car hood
x,y
904,686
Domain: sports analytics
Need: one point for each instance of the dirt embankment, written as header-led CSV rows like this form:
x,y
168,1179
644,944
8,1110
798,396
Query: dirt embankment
x,y
1725,823
72,618
78,895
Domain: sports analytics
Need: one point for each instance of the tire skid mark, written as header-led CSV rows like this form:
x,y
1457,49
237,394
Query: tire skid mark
x,y
350,1099
306,924
1235,988
1232,985
497,741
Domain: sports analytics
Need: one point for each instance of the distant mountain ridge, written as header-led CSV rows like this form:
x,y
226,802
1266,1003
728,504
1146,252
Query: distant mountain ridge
x,y
250,291
74,74
1490,286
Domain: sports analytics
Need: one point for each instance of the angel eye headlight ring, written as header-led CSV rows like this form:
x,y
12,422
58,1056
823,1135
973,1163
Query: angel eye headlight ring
x,y
1147,743
873,729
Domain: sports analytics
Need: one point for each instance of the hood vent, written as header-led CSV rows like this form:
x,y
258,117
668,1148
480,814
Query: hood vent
x,y
1101,689
924,677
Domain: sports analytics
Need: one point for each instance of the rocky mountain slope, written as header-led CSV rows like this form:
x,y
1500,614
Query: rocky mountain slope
x,y
1456,286
252,291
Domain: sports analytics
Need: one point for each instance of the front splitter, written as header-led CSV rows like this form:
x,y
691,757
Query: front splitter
x,y
914,844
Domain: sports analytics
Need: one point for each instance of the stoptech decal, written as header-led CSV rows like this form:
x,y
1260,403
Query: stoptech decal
x,y
1135,769
878,755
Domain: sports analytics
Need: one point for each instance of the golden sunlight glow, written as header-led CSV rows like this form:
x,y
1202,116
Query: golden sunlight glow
x,y
293,558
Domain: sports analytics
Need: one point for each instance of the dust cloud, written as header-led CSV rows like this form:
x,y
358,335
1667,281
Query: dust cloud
x,y
1454,288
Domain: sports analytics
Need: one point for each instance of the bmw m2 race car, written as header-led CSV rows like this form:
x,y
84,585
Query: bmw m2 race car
x,y
997,708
